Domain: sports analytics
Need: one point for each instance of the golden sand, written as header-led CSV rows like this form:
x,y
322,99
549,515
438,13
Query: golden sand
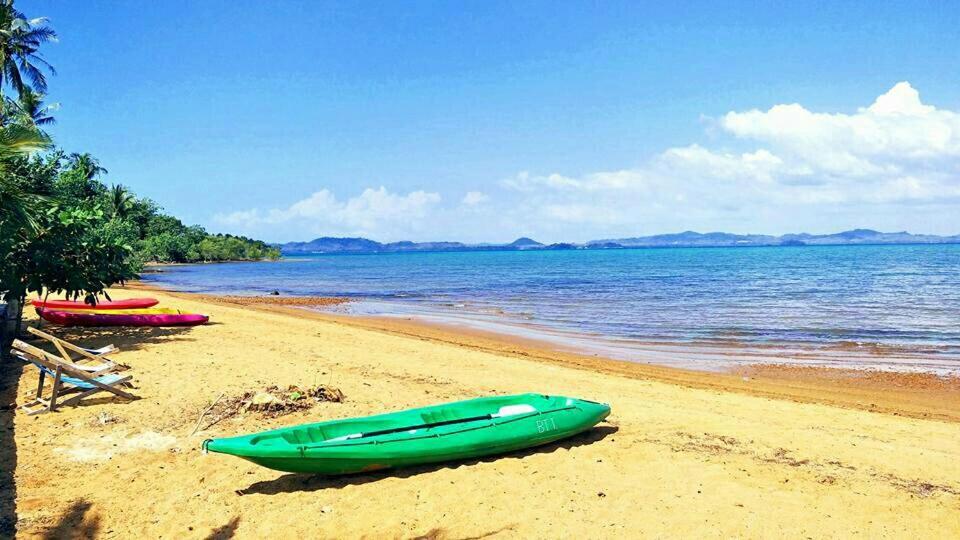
x,y
771,453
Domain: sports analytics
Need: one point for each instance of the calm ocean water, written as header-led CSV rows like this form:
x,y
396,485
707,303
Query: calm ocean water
x,y
885,306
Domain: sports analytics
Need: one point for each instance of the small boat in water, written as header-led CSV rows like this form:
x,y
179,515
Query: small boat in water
x,y
122,317
130,303
452,431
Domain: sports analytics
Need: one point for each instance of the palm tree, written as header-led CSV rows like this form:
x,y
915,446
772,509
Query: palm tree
x,y
30,110
120,200
20,39
88,164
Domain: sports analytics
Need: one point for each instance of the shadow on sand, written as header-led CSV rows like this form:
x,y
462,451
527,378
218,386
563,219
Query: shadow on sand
x,y
127,338
74,523
290,483
10,371
226,531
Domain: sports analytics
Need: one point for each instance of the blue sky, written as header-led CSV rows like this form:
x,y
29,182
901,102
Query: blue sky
x,y
489,120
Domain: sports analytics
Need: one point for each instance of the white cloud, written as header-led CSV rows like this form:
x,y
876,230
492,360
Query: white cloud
x,y
895,132
525,182
893,164
474,198
897,151
760,166
373,212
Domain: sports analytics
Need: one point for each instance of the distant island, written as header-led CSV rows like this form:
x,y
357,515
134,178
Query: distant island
x,y
683,239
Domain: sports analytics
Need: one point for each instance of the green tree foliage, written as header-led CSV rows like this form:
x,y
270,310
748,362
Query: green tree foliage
x,y
18,202
71,245
86,166
120,201
167,239
63,230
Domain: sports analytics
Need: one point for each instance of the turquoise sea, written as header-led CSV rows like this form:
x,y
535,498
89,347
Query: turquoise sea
x,y
893,306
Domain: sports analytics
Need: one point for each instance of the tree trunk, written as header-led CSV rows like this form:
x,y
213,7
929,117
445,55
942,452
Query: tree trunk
x,y
10,328
16,328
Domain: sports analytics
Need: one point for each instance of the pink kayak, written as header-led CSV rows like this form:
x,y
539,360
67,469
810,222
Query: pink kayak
x,y
131,303
127,317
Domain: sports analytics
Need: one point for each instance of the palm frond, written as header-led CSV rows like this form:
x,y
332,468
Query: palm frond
x,y
20,40
18,206
40,34
36,76
16,140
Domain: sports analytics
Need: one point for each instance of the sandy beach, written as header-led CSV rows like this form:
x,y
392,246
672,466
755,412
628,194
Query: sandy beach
x,y
769,452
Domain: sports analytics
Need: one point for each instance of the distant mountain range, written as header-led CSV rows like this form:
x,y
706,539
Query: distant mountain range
x,y
684,239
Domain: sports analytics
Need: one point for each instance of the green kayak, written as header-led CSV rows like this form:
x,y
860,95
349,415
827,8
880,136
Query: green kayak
x,y
460,430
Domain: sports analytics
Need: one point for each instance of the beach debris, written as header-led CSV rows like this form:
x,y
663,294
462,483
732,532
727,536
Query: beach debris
x,y
205,411
276,402
262,401
270,402
104,418
919,487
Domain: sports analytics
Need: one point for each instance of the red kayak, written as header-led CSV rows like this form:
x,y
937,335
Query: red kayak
x,y
131,303
130,317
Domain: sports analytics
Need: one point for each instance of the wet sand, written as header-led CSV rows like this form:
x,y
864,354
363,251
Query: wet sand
x,y
768,452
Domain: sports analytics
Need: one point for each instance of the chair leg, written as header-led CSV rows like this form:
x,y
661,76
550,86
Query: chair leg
x,y
40,383
56,390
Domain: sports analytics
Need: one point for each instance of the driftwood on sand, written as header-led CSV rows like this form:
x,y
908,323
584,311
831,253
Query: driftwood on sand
x,y
270,402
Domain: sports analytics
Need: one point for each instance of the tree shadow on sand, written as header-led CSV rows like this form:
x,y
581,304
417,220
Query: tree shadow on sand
x,y
290,483
74,523
226,531
126,338
10,371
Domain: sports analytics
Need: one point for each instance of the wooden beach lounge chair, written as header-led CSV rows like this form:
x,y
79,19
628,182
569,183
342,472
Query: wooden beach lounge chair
x,y
86,359
69,380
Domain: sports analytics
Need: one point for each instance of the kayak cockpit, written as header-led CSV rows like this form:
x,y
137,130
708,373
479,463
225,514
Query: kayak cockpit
x,y
346,430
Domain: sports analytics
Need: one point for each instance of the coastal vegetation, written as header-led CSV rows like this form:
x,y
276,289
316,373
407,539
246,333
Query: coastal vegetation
x,y
62,229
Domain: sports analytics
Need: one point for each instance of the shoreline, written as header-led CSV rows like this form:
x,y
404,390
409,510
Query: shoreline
x,y
721,356
700,352
918,395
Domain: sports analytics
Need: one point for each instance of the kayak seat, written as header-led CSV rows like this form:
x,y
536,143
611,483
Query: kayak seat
x,y
306,435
